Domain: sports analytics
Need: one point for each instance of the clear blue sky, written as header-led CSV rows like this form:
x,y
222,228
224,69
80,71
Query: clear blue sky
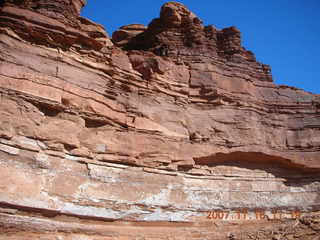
x,y
282,33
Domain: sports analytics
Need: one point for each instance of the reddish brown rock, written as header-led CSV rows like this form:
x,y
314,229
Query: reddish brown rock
x,y
143,137
63,10
180,34
123,36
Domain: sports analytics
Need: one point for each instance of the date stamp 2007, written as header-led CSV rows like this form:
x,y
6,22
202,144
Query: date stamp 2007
x,y
245,214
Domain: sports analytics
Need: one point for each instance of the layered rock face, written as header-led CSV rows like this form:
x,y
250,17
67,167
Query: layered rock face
x,y
143,135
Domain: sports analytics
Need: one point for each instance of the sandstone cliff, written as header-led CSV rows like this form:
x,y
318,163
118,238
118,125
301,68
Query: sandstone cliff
x,y
141,135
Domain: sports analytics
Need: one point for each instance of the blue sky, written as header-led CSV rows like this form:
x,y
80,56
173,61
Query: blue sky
x,y
282,33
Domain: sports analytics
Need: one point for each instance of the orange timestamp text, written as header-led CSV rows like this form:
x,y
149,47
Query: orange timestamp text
x,y
245,214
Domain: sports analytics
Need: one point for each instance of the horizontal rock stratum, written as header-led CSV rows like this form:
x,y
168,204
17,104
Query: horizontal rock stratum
x,y
146,134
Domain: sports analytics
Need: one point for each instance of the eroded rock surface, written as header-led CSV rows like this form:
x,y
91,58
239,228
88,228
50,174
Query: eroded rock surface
x,y
139,137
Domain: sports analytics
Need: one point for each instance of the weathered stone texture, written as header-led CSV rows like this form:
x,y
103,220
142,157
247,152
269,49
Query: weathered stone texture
x,y
141,135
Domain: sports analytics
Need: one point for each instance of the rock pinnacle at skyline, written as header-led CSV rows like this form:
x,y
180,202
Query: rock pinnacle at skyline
x,y
178,33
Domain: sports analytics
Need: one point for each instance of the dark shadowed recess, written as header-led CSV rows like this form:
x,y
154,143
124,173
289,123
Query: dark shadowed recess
x,y
295,174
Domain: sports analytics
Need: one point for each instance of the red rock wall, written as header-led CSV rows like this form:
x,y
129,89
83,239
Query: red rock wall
x,y
140,139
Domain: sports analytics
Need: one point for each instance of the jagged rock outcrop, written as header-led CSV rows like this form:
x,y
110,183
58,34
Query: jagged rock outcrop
x,y
62,10
179,34
140,137
55,24
122,36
